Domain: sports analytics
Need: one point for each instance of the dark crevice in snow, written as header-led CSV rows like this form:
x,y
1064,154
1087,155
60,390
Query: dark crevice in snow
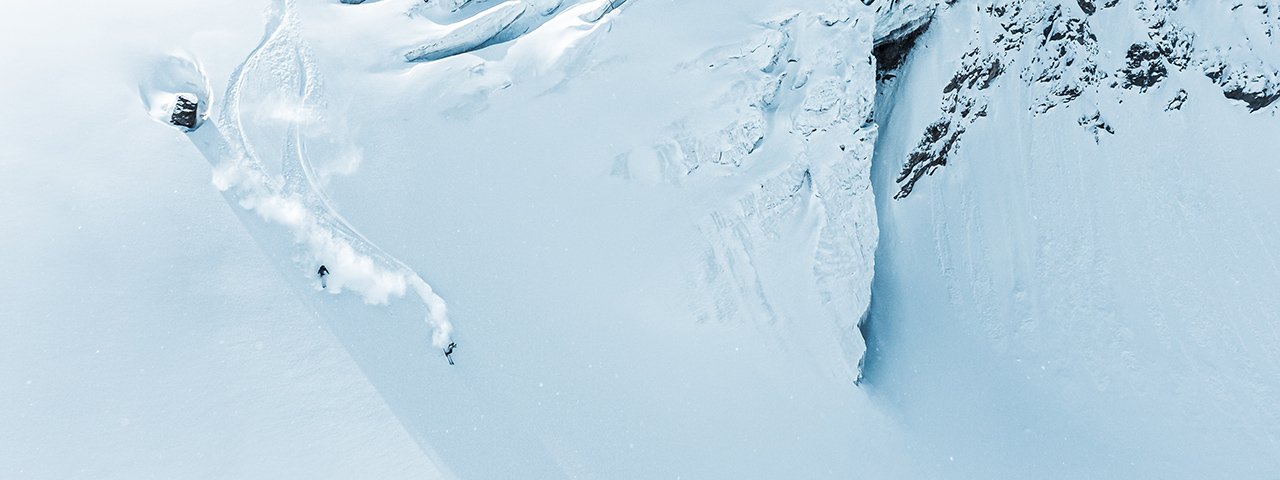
x,y
891,53
892,50
867,327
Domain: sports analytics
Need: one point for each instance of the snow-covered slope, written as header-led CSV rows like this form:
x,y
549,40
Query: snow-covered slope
x,y
636,287
653,230
1093,267
145,334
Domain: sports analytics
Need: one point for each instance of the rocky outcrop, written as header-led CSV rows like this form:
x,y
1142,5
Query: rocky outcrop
x,y
1058,54
185,112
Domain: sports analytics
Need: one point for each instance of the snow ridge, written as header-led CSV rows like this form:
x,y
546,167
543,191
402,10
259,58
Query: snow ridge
x,y
474,25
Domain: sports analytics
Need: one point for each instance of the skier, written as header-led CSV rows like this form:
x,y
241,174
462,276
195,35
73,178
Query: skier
x,y
448,352
323,272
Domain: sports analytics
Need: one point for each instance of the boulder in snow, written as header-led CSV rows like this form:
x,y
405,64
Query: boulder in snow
x,y
185,112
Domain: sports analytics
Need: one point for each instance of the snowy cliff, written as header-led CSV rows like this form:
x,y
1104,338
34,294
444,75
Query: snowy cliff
x,y
718,239
586,229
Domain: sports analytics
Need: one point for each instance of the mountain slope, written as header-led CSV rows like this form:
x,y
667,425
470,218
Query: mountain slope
x,y
1090,266
750,239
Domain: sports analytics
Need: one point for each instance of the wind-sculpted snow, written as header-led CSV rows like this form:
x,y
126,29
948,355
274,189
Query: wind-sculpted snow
x,y
740,117
480,24
800,109
471,34
289,197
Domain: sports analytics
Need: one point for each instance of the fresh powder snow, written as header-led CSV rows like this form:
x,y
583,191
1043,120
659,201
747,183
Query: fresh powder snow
x,y
489,239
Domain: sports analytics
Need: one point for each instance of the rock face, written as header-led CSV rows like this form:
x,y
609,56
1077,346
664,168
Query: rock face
x,y
186,112
1094,226
1056,52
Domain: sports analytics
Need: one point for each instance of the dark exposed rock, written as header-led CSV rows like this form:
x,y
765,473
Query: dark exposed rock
x,y
1095,125
963,103
186,112
1144,66
943,135
1054,50
352,2
979,75
1256,100
1087,6
1175,45
1250,82
1064,63
891,53
1177,102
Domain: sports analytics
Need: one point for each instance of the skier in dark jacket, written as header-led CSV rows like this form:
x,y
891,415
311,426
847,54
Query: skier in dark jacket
x,y
448,352
323,272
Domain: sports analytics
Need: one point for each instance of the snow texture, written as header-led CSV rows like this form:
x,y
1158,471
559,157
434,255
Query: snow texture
x,y
747,239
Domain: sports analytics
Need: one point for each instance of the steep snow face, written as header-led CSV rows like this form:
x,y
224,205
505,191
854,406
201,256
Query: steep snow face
x,y
1090,274
146,335
654,227
694,249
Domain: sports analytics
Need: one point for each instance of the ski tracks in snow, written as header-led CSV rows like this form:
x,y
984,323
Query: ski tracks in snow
x,y
279,75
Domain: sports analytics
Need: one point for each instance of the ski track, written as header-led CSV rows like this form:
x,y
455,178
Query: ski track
x,y
320,234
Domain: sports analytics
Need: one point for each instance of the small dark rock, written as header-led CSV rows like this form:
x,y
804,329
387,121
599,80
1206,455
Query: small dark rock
x,y
1096,125
1087,6
186,112
890,54
1145,66
1178,100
